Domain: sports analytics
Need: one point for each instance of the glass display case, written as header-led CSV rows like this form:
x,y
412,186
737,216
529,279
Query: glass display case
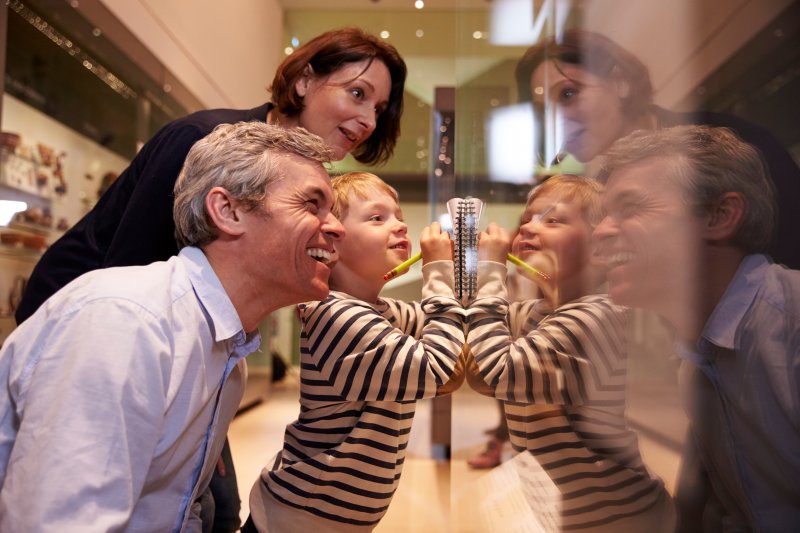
x,y
489,142
476,125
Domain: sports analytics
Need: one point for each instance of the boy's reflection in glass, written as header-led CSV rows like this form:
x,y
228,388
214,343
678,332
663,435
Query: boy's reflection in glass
x,y
559,365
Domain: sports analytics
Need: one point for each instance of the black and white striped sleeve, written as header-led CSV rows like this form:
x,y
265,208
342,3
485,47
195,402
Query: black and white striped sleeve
x,y
574,356
355,353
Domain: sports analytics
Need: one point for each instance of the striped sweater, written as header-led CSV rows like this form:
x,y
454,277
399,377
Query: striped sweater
x,y
561,374
363,367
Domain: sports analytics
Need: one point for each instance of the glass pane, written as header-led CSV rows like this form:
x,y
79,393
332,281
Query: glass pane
x,y
642,65
584,436
471,130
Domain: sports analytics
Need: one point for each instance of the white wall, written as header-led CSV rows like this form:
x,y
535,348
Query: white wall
x,y
226,53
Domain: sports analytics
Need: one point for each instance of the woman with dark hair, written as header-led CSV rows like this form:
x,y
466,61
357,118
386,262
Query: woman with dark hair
x,y
346,86
601,92
323,61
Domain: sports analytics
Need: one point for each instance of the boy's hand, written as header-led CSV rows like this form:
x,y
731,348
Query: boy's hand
x,y
494,244
435,244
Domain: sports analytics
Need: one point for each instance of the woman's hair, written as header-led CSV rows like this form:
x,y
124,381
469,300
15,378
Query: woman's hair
x,y
596,54
579,190
362,185
326,54
243,159
706,162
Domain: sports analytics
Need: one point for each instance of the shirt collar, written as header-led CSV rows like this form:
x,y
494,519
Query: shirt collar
x,y
720,329
224,319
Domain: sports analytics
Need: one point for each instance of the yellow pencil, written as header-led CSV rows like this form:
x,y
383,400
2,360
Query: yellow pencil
x,y
519,262
393,273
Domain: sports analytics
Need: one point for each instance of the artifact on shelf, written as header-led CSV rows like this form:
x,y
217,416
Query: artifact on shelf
x,y
58,174
35,242
30,241
108,179
17,171
10,140
47,156
11,238
37,215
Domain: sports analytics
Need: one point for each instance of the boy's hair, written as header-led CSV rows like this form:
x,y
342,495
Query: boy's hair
x,y
361,185
583,191
706,162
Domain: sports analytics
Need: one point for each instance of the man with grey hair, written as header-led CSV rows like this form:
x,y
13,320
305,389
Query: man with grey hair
x,y
119,390
690,212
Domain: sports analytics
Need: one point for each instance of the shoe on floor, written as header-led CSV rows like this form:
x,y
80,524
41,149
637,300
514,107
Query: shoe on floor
x,y
490,457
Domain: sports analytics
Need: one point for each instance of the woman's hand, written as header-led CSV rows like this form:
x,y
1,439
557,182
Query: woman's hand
x,y
435,244
494,244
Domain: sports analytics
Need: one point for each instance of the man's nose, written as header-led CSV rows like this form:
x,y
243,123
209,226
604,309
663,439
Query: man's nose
x,y
333,228
606,229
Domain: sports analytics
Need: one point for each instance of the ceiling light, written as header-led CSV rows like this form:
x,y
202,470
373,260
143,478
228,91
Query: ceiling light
x,y
419,4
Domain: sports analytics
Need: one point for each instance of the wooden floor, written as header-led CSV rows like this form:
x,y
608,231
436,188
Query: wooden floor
x,y
438,495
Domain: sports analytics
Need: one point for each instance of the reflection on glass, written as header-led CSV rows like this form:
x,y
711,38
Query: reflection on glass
x,y
589,74
502,96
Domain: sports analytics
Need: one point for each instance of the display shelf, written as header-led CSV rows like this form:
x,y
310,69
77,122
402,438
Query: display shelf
x,y
26,227
20,252
24,240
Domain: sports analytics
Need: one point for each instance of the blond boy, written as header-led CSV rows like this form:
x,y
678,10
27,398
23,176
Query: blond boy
x,y
559,364
365,361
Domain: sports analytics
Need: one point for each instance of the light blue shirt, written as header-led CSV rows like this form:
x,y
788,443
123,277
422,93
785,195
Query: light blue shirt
x,y
741,384
116,397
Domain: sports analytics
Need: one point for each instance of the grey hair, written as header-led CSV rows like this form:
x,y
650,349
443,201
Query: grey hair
x,y
710,161
241,158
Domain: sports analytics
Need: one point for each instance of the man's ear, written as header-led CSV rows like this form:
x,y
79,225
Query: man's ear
x,y
621,85
225,212
623,89
725,217
303,83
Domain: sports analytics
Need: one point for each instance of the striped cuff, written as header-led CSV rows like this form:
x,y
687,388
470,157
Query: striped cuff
x,y
437,279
